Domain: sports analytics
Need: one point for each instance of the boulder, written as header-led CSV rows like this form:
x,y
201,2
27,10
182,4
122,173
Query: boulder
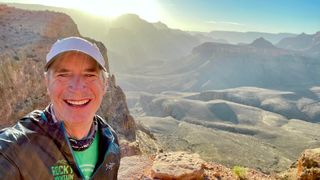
x,y
308,166
177,166
129,148
134,167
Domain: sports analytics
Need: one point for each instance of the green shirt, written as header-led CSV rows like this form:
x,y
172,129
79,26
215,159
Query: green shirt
x,y
87,159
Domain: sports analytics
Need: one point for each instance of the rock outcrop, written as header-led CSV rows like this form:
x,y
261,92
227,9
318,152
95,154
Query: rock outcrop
x,y
25,39
135,167
129,148
116,110
24,42
307,167
309,164
181,166
177,165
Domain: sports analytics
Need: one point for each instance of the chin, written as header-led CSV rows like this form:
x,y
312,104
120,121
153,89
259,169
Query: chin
x,y
79,119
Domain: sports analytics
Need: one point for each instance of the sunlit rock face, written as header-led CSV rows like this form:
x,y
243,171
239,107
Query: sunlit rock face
x,y
25,39
306,167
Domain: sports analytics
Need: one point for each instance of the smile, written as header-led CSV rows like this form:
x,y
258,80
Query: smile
x,y
77,103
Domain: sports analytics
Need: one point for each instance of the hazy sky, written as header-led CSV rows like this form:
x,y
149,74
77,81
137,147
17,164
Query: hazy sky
x,y
205,15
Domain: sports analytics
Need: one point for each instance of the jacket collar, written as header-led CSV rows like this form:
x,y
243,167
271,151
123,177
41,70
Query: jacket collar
x,y
56,130
105,129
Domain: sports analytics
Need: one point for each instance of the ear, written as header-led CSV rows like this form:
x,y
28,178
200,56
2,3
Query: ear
x,y
46,81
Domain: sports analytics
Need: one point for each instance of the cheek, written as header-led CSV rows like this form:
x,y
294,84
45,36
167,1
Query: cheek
x,y
54,89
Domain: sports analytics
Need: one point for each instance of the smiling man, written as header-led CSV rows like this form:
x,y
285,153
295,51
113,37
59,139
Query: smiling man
x,y
67,140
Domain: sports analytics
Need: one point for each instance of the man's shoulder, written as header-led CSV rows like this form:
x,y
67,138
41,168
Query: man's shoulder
x,y
20,132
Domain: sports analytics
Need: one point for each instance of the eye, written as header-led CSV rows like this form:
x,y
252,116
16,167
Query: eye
x,y
62,75
90,75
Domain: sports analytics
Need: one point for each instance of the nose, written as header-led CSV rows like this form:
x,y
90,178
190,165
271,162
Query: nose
x,y
77,83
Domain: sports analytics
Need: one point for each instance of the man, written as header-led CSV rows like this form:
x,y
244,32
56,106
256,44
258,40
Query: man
x,y
67,140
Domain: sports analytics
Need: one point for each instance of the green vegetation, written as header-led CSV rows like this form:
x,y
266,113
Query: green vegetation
x,y
240,171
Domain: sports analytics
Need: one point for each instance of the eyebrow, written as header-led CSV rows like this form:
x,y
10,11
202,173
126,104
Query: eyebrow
x,y
93,69
62,70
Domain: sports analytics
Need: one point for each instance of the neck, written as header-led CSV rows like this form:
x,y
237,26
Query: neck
x,y
78,131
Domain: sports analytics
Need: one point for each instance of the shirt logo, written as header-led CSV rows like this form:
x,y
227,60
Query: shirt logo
x,y
62,170
110,166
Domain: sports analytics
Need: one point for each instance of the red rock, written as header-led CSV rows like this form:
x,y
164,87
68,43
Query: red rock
x,y
215,171
134,167
178,166
129,148
309,165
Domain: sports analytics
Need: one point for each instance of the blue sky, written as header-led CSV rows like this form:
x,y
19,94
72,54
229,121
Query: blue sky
x,y
295,16
245,15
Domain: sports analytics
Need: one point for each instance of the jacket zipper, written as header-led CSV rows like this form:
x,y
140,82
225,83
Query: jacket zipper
x,y
103,162
73,156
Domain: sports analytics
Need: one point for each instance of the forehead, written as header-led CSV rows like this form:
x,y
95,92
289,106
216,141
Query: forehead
x,y
74,61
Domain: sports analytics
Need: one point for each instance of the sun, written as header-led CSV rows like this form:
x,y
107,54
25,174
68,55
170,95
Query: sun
x,y
146,9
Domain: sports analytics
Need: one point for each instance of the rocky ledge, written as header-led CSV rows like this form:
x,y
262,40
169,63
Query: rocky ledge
x,y
187,166
180,166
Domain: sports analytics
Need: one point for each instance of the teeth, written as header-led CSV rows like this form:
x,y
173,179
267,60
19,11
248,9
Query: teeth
x,y
78,103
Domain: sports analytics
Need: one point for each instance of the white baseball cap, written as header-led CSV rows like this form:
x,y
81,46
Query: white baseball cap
x,y
75,44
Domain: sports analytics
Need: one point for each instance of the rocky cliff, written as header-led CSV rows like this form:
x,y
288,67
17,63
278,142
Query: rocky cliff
x,y
307,167
25,39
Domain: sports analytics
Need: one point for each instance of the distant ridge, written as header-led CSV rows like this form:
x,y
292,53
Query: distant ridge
x,y
146,43
300,42
160,25
262,43
247,37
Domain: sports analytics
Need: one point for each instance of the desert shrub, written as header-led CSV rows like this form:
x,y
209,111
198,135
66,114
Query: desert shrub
x,y
240,171
16,58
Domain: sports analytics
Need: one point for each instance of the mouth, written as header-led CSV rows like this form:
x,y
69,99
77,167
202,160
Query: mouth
x,y
77,103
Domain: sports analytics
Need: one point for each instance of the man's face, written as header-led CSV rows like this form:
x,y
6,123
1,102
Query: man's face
x,y
75,87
